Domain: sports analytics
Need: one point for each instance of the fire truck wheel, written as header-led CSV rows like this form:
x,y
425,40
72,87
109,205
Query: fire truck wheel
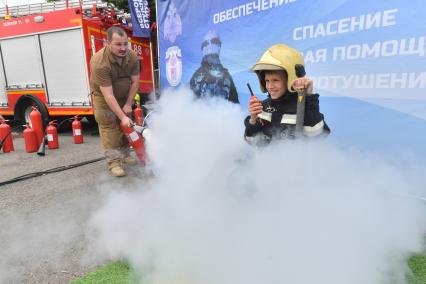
x,y
24,107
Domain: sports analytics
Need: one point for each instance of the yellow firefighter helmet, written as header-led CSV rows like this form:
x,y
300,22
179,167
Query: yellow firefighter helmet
x,y
280,57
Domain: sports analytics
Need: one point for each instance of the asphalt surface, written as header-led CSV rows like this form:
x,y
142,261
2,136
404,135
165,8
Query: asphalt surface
x,y
43,220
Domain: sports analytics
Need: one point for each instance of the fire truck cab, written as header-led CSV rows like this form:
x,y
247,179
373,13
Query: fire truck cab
x,y
45,50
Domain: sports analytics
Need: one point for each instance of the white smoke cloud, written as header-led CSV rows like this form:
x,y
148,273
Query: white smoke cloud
x,y
221,211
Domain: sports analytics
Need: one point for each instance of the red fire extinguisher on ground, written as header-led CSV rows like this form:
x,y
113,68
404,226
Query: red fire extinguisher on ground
x,y
52,136
37,124
30,140
136,141
77,130
6,140
138,113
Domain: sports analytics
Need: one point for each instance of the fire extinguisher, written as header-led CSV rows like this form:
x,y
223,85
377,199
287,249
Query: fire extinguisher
x,y
138,113
136,141
77,130
30,139
52,136
37,125
6,141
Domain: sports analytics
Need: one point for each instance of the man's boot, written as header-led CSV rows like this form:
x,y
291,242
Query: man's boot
x,y
129,160
117,170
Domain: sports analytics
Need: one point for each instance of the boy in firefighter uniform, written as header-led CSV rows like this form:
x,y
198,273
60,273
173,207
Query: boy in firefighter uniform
x,y
275,117
114,82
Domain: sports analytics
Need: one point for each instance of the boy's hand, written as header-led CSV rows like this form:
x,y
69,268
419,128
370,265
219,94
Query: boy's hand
x,y
301,84
255,107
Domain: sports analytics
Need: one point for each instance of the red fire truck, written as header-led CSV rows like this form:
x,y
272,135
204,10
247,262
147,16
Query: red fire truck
x,y
45,50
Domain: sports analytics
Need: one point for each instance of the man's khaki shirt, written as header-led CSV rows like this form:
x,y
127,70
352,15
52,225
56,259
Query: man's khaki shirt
x,y
105,71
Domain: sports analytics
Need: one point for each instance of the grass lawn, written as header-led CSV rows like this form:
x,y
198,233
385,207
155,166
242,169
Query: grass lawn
x,y
116,272
418,266
119,273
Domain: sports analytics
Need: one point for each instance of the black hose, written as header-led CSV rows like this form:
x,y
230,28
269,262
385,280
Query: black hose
x,y
53,170
62,122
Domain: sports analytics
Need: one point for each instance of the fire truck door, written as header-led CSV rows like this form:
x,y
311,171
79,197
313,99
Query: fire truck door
x,y
65,67
22,61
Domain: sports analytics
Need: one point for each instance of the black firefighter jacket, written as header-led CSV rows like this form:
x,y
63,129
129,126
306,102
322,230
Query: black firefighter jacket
x,y
278,119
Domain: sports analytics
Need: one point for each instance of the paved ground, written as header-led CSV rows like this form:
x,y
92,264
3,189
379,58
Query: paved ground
x,y
43,219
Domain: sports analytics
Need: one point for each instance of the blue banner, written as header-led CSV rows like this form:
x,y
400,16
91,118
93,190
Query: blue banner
x,y
368,55
139,11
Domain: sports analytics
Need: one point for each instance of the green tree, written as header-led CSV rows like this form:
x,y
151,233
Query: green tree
x,y
124,4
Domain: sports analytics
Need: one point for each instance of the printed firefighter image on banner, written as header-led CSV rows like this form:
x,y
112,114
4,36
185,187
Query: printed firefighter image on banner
x,y
211,78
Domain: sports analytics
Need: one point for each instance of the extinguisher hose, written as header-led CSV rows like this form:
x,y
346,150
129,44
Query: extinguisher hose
x,y
146,117
62,122
65,120
7,135
53,170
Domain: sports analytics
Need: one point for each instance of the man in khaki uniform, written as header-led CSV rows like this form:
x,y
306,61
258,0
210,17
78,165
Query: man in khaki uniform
x,y
114,81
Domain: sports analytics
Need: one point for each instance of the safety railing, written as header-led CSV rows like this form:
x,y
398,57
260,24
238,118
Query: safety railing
x,y
24,10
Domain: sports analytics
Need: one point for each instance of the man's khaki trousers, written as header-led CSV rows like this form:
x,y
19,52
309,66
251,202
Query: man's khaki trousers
x,y
114,142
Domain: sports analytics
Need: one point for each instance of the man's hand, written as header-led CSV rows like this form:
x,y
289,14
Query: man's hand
x,y
127,109
301,84
2,119
255,107
126,121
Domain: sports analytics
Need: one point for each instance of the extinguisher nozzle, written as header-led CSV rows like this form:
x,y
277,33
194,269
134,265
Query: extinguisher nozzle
x,y
42,149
